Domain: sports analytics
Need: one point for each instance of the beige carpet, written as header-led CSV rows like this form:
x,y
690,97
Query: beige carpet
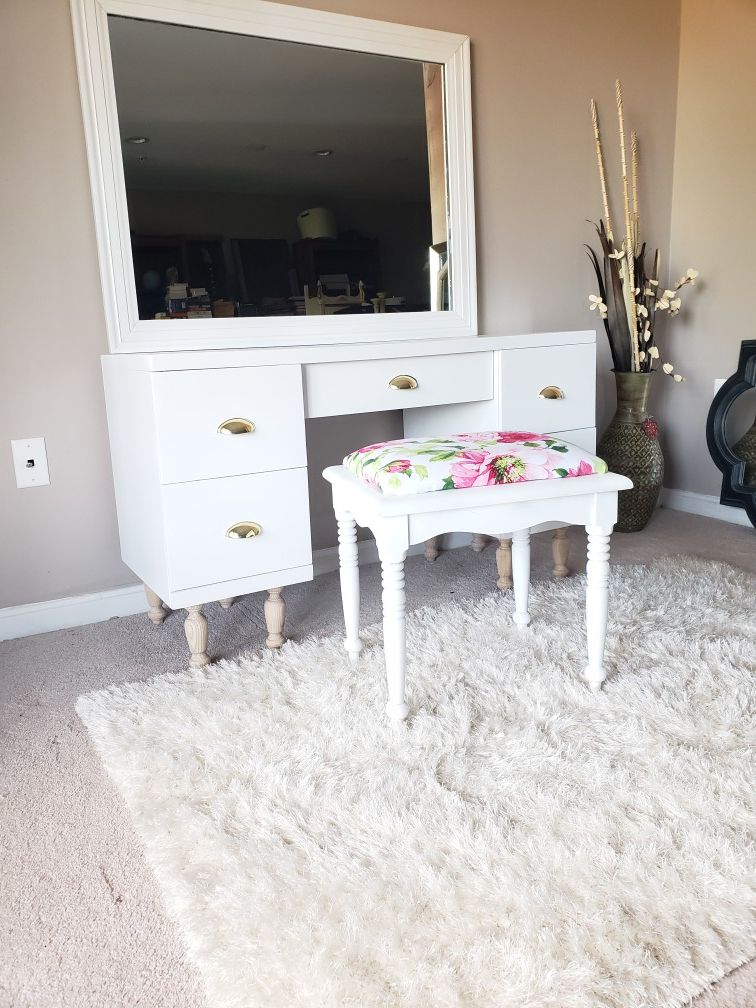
x,y
80,914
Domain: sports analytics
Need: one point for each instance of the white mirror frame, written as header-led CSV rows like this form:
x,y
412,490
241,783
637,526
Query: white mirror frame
x,y
126,332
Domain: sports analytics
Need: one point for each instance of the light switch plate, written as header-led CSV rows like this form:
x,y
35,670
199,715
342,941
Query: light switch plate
x,y
30,462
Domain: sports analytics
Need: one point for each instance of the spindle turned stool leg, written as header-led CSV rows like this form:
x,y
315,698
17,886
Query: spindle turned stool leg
x,y
596,602
521,576
349,575
394,631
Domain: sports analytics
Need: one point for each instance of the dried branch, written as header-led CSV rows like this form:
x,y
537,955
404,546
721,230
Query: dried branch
x,y
602,170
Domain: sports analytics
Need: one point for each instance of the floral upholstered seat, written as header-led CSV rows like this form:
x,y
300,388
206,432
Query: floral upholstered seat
x,y
456,461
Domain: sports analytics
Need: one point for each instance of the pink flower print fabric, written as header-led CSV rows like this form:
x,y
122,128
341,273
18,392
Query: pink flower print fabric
x,y
459,461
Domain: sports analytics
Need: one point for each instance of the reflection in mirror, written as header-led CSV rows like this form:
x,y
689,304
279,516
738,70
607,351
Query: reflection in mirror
x,y
731,433
741,434
268,178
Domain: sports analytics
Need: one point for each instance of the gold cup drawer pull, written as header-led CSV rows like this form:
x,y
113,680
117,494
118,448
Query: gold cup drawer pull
x,y
244,530
236,425
403,382
551,392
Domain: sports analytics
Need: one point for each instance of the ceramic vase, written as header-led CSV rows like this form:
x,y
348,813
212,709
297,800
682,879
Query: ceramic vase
x,y
630,446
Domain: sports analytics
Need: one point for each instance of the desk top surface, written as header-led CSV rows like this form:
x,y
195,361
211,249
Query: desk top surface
x,y
185,360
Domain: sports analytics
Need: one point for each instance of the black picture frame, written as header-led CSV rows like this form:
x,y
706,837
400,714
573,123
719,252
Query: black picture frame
x,y
735,492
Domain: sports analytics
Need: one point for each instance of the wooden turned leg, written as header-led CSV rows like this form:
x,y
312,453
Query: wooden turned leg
x,y
275,613
195,628
394,636
560,551
479,542
504,564
521,576
596,602
431,548
157,609
226,603
349,575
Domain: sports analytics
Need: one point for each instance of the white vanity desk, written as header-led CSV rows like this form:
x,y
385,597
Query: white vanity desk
x,y
207,414
188,489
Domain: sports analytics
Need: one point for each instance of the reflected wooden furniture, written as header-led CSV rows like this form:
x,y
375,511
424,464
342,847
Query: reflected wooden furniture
x,y
331,304
316,257
516,508
210,458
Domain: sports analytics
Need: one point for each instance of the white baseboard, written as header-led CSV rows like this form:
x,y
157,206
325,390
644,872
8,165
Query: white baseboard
x,y
59,614
79,610
703,504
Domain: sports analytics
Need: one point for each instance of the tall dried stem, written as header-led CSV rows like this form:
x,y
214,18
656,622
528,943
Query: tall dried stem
x,y
636,212
602,170
629,243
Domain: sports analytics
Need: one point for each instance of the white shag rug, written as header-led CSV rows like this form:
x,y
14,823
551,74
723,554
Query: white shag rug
x,y
520,843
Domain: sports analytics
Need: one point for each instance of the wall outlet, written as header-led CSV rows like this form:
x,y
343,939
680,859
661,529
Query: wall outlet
x,y
30,462
718,383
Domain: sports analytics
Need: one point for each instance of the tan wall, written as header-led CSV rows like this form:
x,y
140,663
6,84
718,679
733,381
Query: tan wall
x,y
713,224
62,539
535,64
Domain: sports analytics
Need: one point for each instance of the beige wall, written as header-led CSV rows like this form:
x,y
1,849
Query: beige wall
x,y
535,64
713,224
62,539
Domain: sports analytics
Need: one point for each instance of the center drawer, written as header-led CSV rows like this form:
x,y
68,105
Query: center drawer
x,y
229,421
367,386
198,518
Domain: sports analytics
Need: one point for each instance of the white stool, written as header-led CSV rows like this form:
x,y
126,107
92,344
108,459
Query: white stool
x,y
514,509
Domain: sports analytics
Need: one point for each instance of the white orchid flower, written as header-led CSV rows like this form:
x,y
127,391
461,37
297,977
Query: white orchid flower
x,y
674,306
596,302
649,292
662,303
619,254
653,352
654,283
678,377
668,368
641,355
668,294
642,311
691,276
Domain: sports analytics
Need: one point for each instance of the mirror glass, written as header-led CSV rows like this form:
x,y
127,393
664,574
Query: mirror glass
x,y
741,434
268,178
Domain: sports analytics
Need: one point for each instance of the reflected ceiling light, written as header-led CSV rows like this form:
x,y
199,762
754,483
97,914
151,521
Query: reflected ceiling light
x,y
137,140
325,152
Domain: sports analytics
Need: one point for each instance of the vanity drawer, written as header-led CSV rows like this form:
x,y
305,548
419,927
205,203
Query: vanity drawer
x,y
528,377
191,406
335,389
197,518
